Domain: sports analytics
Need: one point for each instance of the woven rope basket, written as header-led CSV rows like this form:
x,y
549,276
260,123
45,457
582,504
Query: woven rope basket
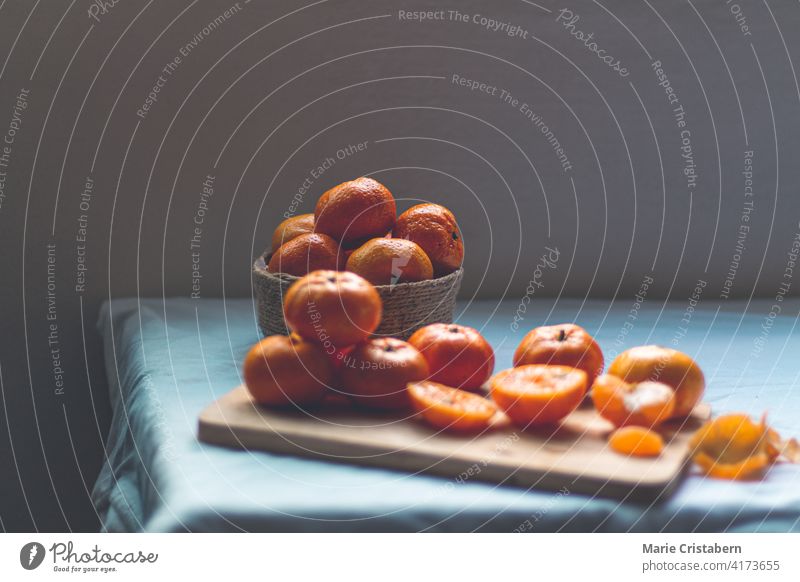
x,y
406,306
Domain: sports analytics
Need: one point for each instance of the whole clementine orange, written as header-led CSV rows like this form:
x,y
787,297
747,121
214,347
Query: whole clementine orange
x,y
355,211
457,355
434,228
565,344
306,253
660,364
291,228
333,308
386,261
376,372
281,370
536,394
350,250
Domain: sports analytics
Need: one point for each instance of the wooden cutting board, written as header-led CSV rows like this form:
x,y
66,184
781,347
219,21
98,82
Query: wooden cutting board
x,y
573,455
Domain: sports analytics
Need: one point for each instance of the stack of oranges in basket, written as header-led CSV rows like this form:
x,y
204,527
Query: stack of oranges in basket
x,y
355,227
352,243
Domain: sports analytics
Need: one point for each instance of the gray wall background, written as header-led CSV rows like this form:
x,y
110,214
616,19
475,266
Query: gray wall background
x,y
276,88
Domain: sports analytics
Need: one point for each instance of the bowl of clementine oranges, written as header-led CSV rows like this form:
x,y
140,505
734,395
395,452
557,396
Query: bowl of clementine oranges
x,y
412,260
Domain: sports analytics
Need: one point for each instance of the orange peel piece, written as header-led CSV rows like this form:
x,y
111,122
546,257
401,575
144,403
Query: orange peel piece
x,y
779,448
733,447
636,441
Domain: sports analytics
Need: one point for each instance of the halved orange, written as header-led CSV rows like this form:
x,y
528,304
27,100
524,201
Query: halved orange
x,y
536,394
450,408
636,441
639,403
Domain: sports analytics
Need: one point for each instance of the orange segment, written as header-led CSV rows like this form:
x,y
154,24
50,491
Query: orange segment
x,y
536,394
636,441
732,447
451,408
642,404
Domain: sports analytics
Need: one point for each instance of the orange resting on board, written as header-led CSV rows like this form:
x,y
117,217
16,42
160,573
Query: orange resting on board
x,y
375,374
536,394
643,404
450,408
660,364
565,344
457,355
332,308
283,370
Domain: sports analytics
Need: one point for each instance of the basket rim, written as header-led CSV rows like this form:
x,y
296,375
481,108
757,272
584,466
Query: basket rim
x,y
260,270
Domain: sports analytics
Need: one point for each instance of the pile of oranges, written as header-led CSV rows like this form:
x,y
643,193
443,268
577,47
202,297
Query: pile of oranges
x,y
441,370
355,227
444,373
555,367
332,316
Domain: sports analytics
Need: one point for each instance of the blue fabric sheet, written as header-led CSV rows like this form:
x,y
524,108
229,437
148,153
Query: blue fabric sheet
x,y
167,360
